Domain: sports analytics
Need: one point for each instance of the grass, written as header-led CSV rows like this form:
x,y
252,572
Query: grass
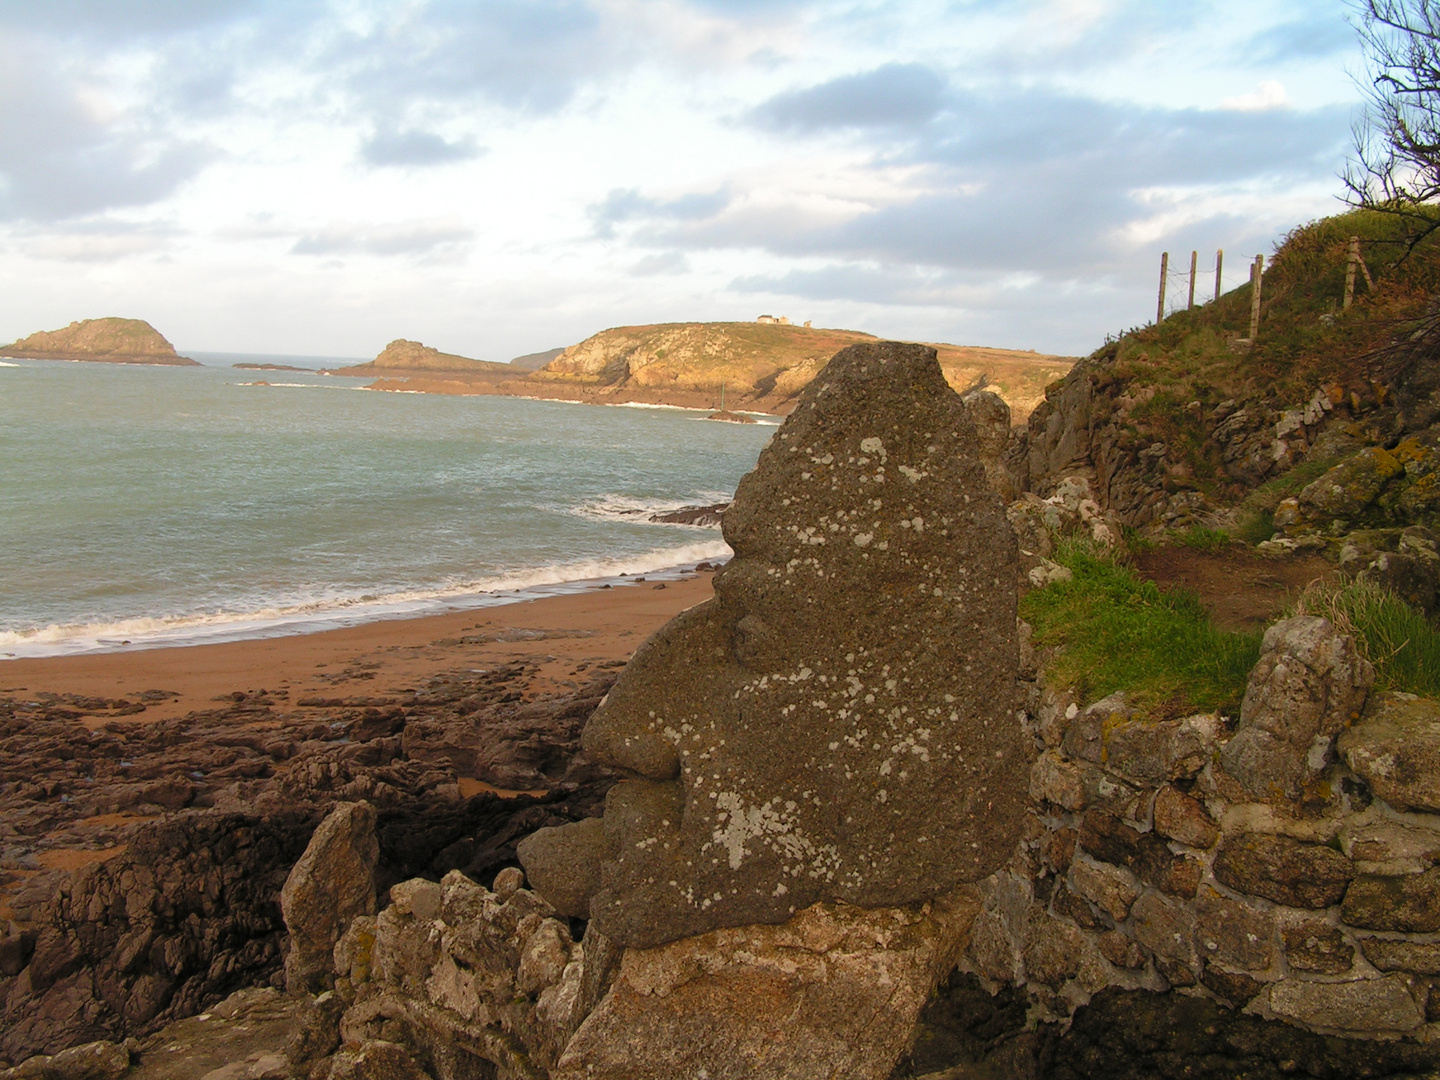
x,y
1202,539
1402,643
1118,631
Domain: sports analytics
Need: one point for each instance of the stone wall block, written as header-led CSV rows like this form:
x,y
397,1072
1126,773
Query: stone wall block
x,y
1184,819
1308,684
1110,887
1234,934
1417,957
1283,870
1409,903
1395,748
1055,779
1365,1006
1085,737
1166,927
1110,840
1149,753
1318,947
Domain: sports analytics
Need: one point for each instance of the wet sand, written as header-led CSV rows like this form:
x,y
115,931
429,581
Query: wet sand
x,y
558,633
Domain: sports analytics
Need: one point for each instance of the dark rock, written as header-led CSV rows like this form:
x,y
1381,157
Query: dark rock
x,y
1234,986
859,655
1419,957
1135,1035
1284,870
1110,840
1233,934
1409,903
186,915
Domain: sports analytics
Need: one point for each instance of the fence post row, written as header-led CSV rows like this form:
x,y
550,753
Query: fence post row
x,y
1257,278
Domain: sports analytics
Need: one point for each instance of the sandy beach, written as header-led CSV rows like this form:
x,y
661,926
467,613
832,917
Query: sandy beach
x,y
555,634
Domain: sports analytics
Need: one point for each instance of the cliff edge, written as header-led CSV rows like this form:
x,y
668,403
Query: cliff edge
x,y
109,340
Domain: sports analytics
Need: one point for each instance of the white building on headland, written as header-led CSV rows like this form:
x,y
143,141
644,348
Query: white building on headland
x,y
780,320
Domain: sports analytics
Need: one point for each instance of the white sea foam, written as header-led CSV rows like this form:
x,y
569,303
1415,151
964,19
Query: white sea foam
x,y
336,611
4,363
629,508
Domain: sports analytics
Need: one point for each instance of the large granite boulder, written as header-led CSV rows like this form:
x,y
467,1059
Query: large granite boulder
x,y
331,884
834,992
1307,686
838,723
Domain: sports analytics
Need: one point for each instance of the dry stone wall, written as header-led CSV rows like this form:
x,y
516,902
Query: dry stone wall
x,y
1275,867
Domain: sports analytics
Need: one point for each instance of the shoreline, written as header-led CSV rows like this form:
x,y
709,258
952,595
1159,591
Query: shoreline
x,y
272,624
600,624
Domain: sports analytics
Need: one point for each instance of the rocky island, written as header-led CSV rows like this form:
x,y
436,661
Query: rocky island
x,y
109,341
751,367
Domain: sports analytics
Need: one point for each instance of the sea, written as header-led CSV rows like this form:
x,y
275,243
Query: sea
x,y
145,506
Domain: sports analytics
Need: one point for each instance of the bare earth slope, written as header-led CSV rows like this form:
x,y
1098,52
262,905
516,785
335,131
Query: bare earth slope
x,y
110,340
761,368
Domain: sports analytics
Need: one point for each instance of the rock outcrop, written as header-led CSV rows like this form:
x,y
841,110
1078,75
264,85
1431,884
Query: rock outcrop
x,y
111,340
331,885
859,655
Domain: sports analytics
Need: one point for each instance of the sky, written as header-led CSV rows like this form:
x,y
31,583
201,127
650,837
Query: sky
x,y
498,177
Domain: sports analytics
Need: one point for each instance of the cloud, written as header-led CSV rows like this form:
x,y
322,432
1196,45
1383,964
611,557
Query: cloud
x,y
77,18
1307,38
627,204
896,95
397,238
527,55
413,147
666,262
66,150
1032,182
1270,94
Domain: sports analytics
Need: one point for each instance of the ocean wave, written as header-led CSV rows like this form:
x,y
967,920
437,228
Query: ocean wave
x,y
637,510
336,611
4,363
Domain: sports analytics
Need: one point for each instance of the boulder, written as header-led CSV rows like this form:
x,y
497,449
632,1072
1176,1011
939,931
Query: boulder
x,y
788,737
1308,684
565,864
1395,749
1347,491
331,884
835,991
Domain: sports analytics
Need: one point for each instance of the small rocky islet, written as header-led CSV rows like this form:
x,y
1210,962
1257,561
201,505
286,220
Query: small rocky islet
x,y
762,852
109,341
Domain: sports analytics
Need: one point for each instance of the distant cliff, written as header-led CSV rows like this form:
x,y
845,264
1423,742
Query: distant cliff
x,y
111,341
764,366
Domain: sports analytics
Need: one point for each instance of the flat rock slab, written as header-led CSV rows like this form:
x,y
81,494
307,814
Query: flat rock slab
x,y
242,1038
837,724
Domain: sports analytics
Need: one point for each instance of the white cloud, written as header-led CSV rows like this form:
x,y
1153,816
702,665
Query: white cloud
x,y
1270,94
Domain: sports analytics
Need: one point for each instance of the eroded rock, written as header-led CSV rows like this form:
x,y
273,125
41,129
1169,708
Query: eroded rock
x,y
1307,685
331,884
859,656
1396,749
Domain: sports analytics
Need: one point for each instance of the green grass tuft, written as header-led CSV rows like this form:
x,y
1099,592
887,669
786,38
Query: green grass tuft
x,y
1402,643
1202,539
1118,631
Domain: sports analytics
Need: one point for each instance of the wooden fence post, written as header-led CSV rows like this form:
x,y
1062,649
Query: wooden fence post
x,y
1350,261
1219,262
1191,304
1164,272
1257,277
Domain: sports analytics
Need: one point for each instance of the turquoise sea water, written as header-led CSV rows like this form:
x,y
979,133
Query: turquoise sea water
x,y
147,505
